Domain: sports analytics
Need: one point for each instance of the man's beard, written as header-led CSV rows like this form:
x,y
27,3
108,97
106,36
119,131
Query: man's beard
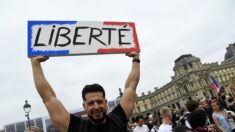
x,y
100,120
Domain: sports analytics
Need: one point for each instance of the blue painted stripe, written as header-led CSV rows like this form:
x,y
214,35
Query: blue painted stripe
x,y
51,22
31,52
48,52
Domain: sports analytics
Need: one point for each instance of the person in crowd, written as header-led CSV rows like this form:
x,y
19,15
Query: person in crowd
x,y
156,125
204,105
197,120
182,128
230,103
133,126
94,102
213,98
129,127
223,119
191,106
149,121
222,100
183,111
167,124
174,117
141,127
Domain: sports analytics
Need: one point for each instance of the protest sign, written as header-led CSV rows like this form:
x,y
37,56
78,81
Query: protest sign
x,y
61,38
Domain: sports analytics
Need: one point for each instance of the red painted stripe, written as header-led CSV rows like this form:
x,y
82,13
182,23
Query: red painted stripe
x,y
120,50
135,37
117,50
116,23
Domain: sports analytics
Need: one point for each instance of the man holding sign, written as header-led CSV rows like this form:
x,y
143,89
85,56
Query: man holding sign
x,y
94,102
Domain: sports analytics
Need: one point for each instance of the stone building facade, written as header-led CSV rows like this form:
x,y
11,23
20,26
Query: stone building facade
x,y
191,80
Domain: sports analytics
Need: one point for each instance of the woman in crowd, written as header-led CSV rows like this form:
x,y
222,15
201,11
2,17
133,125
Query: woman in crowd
x,y
222,118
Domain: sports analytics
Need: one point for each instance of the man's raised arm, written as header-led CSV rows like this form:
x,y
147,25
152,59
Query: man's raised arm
x,y
128,98
58,114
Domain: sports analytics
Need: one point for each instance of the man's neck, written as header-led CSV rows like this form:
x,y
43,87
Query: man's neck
x,y
97,124
167,121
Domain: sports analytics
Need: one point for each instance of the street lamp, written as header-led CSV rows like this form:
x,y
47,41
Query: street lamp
x,y
27,109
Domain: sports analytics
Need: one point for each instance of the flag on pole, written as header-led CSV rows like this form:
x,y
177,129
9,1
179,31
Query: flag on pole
x,y
215,85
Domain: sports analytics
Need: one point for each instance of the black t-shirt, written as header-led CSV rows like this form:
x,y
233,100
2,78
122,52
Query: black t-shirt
x,y
109,126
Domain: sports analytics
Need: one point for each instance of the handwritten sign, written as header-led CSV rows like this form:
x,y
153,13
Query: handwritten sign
x,y
61,38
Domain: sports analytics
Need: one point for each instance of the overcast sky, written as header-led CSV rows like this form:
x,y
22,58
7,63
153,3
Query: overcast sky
x,y
166,29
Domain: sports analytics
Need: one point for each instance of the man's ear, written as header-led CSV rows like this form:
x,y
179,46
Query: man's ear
x,y
83,105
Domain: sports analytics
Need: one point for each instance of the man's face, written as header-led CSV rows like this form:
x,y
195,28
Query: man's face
x,y
205,104
201,107
96,107
140,122
169,114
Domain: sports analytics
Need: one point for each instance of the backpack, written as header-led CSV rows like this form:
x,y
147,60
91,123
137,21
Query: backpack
x,y
154,129
117,121
185,117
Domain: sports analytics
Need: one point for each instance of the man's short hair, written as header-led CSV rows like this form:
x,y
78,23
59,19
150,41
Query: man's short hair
x,y
181,128
213,97
197,118
138,118
91,89
192,105
164,111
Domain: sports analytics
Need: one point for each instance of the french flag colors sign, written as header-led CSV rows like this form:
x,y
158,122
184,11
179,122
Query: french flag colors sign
x,y
61,38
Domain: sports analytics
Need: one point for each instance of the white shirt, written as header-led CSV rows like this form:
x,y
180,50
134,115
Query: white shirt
x,y
144,128
231,121
165,128
153,129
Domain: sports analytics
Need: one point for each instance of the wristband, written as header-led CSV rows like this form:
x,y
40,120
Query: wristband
x,y
136,60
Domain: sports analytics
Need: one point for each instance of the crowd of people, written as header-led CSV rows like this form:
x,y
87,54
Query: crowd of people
x,y
213,114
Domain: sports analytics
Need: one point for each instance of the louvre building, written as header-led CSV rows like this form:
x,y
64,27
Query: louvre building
x,y
191,80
